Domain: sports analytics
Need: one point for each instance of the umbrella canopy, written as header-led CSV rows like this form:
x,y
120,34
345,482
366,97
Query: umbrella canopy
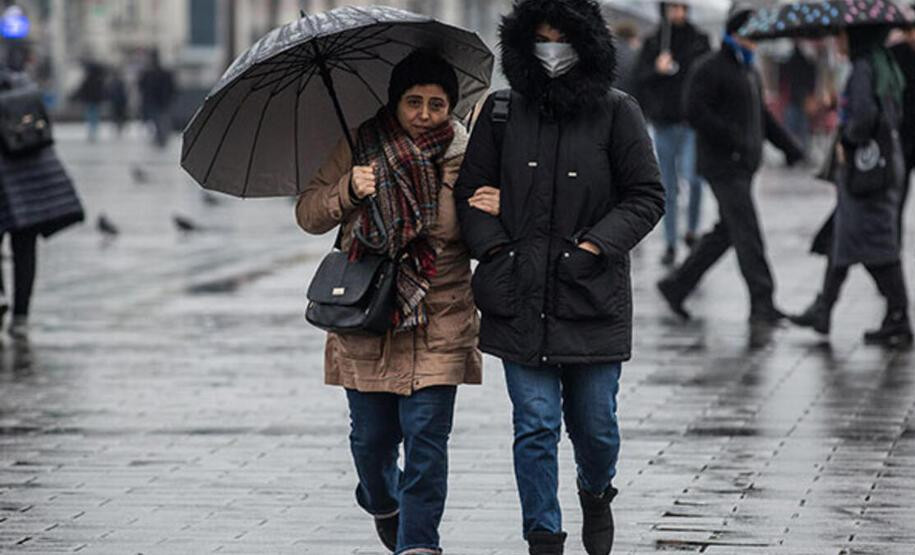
x,y
816,19
282,106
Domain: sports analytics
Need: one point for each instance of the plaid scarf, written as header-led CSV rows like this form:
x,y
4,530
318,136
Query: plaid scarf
x,y
408,181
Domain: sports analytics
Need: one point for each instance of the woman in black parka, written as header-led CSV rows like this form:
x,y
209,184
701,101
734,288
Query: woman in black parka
x,y
37,198
578,188
864,229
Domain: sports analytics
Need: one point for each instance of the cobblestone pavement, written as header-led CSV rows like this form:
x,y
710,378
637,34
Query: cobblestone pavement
x,y
170,397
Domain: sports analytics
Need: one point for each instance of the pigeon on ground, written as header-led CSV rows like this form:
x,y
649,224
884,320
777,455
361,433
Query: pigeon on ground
x,y
105,226
139,175
184,224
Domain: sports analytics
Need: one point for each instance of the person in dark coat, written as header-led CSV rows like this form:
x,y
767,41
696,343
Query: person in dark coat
x,y
724,103
865,227
904,52
117,95
157,92
92,93
799,73
660,78
36,198
628,45
578,188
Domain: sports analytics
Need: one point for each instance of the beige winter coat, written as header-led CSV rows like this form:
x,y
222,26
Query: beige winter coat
x,y
444,352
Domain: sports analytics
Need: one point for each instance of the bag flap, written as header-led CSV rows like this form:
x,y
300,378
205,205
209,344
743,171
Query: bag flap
x,y
342,282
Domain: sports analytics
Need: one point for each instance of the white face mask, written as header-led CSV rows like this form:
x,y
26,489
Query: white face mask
x,y
557,57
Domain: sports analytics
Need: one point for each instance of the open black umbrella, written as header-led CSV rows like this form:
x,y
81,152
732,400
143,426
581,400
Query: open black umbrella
x,y
826,17
279,110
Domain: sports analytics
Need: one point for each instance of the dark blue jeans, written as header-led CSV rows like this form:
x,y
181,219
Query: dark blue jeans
x,y
379,423
541,396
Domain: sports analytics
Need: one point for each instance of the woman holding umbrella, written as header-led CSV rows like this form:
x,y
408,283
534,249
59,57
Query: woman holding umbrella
x,y
401,386
865,227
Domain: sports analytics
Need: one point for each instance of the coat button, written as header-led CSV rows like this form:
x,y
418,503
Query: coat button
x,y
511,253
543,315
566,254
544,359
532,164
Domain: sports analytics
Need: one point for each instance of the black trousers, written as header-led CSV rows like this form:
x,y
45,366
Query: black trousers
x,y
906,183
23,246
737,227
888,277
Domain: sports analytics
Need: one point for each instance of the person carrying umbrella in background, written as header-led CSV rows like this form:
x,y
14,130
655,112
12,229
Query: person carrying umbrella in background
x,y
660,78
865,224
578,188
904,52
724,103
276,125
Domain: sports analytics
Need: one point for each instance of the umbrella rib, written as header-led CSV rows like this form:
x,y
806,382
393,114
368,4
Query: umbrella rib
x,y
203,125
257,135
349,69
225,134
289,71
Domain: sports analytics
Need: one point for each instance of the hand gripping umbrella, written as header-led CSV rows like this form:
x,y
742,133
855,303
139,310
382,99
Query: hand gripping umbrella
x,y
827,17
283,105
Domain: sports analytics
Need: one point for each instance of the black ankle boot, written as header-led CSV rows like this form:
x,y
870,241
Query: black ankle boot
x,y
895,331
545,543
597,529
816,316
387,530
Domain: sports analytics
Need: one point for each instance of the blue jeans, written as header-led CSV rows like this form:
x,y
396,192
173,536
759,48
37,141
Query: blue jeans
x,y
379,422
676,148
586,395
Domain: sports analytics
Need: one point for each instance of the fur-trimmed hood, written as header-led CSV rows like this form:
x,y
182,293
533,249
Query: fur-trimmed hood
x,y
584,85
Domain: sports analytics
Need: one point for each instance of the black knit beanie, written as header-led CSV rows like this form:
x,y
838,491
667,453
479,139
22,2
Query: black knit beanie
x,y
422,67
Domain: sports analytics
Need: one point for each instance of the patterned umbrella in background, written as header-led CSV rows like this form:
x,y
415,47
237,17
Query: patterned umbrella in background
x,y
827,17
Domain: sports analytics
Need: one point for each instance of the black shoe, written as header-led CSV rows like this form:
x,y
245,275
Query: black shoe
x,y
895,331
669,257
668,290
816,316
767,316
691,240
545,543
597,529
387,530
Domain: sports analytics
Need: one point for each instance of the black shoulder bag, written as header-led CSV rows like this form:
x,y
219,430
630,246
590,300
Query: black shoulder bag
x,y
358,297
24,122
870,169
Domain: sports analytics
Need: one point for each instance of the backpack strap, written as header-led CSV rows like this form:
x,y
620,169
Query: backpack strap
x,y
501,110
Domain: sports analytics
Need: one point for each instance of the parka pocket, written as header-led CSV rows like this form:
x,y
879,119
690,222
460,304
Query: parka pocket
x,y
588,286
360,347
453,323
494,285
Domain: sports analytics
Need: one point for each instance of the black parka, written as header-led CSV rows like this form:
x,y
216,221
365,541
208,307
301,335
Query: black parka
x,y
576,164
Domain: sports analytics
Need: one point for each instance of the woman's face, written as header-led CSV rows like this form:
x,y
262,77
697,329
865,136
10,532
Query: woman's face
x,y
547,33
422,108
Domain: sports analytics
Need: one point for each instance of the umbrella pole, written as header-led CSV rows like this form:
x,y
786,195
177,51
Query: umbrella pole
x,y
329,84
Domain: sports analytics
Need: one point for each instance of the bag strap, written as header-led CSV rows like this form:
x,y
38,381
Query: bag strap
x,y
501,111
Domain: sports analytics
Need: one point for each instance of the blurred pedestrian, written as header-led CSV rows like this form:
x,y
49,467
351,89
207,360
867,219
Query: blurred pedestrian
x,y
904,53
864,226
661,72
799,78
92,94
157,92
724,103
401,387
117,96
578,187
628,44
36,195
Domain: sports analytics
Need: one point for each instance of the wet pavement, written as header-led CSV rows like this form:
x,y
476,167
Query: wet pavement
x,y
170,398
